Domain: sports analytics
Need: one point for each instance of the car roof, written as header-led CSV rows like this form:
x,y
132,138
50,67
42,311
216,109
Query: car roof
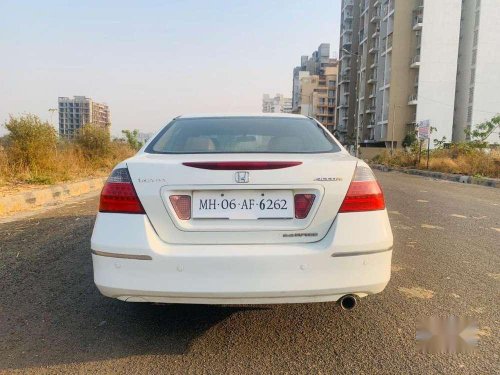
x,y
219,115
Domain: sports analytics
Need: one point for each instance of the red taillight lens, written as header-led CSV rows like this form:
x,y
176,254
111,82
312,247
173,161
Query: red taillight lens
x,y
182,206
303,204
364,193
243,165
118,194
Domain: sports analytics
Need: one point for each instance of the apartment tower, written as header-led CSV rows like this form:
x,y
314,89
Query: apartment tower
x,y
311,65
478,77
414,61
348,62
79,111
318,96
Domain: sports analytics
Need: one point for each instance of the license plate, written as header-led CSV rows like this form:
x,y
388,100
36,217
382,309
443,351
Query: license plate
x,y
243,204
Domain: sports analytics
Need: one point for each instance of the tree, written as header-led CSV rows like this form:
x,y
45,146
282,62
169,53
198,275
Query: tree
x,y
439,144
132,138
409,140
31,143
94,141
482,131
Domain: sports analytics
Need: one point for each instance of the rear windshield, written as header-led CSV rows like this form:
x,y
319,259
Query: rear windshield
x,y
242,135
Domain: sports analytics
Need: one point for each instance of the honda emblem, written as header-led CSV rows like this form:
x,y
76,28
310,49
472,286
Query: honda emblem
x,y
242,177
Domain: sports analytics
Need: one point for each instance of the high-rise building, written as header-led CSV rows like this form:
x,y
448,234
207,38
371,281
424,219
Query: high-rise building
x,y
314,65
478,78
278,104
347,80
414,60
318,96
79,111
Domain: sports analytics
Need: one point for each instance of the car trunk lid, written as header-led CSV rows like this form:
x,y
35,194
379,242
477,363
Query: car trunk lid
x,y
158,177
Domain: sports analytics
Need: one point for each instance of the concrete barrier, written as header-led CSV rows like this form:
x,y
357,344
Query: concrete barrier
x,y
45,196
484,181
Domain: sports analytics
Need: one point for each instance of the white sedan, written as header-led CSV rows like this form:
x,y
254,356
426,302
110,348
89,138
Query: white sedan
x,y
242,210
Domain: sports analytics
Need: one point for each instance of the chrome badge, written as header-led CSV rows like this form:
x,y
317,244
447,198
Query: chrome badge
x,y
151,180
328,179
242,177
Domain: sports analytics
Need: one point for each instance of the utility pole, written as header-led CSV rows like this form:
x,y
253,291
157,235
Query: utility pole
x,y
393,126
356,119
395,107
52,110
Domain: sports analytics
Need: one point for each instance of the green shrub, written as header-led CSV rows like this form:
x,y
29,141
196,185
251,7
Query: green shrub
x,y
31,143
94,141
409,140
132,138
40,180
31,153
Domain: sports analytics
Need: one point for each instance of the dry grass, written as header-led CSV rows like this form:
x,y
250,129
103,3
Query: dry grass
x,y
4,165
32,153
67,163
472,162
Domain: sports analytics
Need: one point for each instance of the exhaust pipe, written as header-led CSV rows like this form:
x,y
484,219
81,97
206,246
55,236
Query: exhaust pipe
x,y
348,302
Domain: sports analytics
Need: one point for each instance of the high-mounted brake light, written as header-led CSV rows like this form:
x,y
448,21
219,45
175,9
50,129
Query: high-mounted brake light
x,y
118,194
245,165
364,193
182,206
303,204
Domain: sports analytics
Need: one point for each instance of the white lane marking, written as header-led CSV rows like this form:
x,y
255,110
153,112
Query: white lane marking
x,y
478,310
428,226
479,217
417,292
422,201
395,212
497,229
454,295
423,191
459,216
485,331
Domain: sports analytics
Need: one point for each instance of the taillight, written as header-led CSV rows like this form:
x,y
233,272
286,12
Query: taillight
x,y
118,194
303,204
364,193
182,206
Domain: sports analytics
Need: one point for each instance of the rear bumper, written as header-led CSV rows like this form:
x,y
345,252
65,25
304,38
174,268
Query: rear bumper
x,y
346,261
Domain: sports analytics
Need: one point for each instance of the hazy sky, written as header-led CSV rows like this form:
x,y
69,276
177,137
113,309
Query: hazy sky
x,y
153,60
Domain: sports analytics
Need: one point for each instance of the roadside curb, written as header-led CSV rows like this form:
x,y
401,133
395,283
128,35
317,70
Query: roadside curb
x,y
48,196
464,179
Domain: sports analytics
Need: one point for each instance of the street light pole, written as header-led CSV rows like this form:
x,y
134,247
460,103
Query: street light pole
x,y
393,126
52,110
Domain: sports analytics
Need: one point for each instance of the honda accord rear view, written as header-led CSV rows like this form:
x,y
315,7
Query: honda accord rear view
x,y
242,210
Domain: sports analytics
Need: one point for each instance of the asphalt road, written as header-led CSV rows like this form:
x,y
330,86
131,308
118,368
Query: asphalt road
x,y
446,262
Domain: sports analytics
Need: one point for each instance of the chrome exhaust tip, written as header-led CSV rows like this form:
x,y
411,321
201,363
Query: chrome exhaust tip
x,y
348,302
